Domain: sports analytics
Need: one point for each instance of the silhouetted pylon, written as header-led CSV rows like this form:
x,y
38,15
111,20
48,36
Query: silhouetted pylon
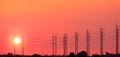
x,y
117,40
23,45
101,41
88,42
54,45
65,45
76,42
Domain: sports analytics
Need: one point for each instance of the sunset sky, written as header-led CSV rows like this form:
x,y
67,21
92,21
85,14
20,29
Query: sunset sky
x,y
38,20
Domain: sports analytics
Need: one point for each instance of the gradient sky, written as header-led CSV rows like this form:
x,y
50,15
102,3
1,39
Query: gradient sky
x,y
38,20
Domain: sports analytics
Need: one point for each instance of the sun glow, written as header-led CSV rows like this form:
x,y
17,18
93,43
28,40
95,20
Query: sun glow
x,y
17,40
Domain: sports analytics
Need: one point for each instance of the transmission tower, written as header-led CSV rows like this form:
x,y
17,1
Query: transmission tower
x,y
65,45
117,40
76,42
54,45
23,46
88,42
101,41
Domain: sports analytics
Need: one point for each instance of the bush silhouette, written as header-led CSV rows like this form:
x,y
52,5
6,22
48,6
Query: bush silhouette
x,y
71,54
36,55
10,55
96,55
82,54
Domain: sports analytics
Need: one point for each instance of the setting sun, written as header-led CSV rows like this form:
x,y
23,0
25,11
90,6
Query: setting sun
x,y
17,40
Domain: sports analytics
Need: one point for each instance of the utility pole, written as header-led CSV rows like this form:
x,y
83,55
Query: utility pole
x,y
76,42
101,41
88,42
65,45
117,40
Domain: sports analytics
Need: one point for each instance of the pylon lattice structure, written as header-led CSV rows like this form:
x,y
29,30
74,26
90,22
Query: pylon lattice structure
x,y
76,42
88,42
117,39
101,41
54,45
65,45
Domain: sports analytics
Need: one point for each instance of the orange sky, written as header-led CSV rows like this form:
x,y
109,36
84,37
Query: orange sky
x,y
39,19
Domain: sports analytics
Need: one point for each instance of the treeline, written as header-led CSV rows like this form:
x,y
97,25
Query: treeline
x,y
80,54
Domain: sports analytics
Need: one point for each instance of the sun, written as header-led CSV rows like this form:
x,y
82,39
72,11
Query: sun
x,y
17,40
